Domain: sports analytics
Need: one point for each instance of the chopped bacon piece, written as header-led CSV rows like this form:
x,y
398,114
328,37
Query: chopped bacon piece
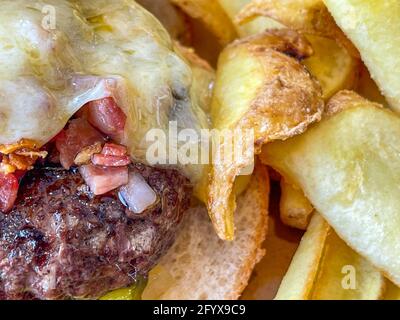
x,y
112,155
110,161
8,191
104,179
106,116
78,135
111,149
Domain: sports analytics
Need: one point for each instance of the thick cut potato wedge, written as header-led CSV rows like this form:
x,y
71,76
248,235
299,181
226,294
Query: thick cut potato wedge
x,y
257,25
212,15
349,168
374,27
299,279
295,209
270,94
307,16
203,83
332,65
325,268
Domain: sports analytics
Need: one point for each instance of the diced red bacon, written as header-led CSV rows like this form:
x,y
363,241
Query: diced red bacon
x,y
78,135
112,155
106,116
112,149
104,179
110,161
8,191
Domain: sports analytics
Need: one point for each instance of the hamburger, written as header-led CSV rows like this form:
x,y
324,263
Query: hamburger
x,y
84,211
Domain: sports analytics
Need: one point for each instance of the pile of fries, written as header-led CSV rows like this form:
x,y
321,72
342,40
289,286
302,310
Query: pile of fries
x,y
319,82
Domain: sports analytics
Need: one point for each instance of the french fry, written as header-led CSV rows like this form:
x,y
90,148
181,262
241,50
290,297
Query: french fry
x,y
306,16
295,209
349,169
270,94
332,65
374,27
325,268
299,279
257,25
212,15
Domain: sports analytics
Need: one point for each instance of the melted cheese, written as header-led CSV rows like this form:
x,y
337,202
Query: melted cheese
x,y
97,49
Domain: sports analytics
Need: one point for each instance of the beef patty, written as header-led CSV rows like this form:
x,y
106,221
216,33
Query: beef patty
x,y
60,241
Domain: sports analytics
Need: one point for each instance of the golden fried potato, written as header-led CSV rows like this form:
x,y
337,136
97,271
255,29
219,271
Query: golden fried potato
x,y
212,15
332,65
308,16
345,100
349,168
298,281
270,94
325,268
257,25
374,27
295,209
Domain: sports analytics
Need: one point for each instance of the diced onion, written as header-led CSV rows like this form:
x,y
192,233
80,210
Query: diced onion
x,y
102,180
137,194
